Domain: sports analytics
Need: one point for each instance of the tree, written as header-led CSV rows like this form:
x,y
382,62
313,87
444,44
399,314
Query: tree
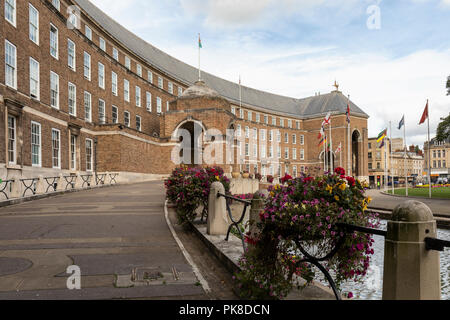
x,y
448,86
443,130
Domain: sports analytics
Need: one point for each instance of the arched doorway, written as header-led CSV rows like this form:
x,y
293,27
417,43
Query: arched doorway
x,y
356,153
190,136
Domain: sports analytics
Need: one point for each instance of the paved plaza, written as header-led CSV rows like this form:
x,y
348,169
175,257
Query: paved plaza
x,y
118,237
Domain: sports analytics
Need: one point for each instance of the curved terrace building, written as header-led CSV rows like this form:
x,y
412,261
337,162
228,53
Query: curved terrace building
x,y
81,93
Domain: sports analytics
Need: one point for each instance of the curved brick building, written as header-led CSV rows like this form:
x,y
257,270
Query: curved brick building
x,y
80,93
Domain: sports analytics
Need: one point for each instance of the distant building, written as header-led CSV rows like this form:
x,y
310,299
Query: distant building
x,y
440,159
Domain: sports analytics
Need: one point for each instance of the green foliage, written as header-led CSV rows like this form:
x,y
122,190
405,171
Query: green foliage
x,y
305,212
188,189
443,130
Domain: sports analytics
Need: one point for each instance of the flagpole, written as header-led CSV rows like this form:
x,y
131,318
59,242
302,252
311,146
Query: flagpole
x,y
390,145
240,92
406,172
348,143
199,47
331,150
385,167
429,152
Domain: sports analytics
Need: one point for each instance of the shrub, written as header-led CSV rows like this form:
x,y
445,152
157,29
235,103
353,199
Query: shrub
x,y
304,212
188,189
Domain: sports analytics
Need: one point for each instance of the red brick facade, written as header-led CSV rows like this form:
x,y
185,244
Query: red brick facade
x,y
117,147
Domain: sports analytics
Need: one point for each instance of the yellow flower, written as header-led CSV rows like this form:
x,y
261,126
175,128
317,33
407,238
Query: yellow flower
x,y
217,178
336,198
343,186
369,200
329,188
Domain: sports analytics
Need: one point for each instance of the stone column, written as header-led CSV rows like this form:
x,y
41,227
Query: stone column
x,y
410,271
61,185
256,208
217,211
79,181
16,190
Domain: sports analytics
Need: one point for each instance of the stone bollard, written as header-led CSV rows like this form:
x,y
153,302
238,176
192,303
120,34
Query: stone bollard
x,y
217,224
40,185
256,208
410,271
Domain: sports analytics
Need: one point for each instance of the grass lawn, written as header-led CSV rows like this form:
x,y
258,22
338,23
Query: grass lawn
x,y
438,193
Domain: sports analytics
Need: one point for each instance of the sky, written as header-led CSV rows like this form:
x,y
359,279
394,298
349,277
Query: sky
x,y
390,56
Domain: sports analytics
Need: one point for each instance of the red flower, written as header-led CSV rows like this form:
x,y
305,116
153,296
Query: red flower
x,y
286,178
340,171
351,181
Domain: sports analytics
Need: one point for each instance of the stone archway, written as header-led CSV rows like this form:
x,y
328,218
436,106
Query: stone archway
x,y
356,154
190,136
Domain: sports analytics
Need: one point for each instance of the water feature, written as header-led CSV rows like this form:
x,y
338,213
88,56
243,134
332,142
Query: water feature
x,y
372,288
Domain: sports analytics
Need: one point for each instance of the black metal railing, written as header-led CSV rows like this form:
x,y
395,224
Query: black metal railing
x,y
431,244
70,181
113,177
230,215
4,187
86,180
100,178
52,183
29,185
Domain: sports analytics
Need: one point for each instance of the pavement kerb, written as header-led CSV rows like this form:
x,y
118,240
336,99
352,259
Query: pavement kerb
x,y
186,254
409,197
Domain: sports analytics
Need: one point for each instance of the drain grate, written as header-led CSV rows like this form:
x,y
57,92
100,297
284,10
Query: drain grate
x,y
146,274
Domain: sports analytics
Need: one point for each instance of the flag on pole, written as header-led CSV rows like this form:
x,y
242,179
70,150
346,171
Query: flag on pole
x,y
381,137
327,119
425,115
402,123
199,42
339,149
323,141
321,133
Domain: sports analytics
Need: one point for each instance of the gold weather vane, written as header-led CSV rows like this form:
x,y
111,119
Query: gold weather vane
x,y
336,85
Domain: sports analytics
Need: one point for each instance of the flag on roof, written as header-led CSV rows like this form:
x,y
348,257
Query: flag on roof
x,y
382,135
199,41
402,123
348,113
425,115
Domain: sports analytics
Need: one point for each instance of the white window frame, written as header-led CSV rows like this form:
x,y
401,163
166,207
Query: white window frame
x,y
294,139
302,140
101,75
90,160
39,155
54,76
73,95
88,32
115,111
12,66
87,106
158,105
114,83
127,62
56,4
73,152
180,91
70,57
14,11
56,48
148,101
87,66
170,87
126,118
12,150
150,76
138,97
115,54
35,79
138,127
102,43
302,154
294,153
33,25
139,69
101,115
160,82
126,90
58,164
